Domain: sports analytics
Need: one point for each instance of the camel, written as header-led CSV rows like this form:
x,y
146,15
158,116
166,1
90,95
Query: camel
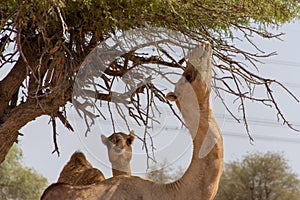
x,y
119,152
201,179
79,171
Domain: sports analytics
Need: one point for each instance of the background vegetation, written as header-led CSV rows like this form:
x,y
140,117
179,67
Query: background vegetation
x,y
259,176
17,181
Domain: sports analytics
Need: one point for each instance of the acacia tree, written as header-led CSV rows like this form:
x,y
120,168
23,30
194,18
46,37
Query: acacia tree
x,y
259,176
44,42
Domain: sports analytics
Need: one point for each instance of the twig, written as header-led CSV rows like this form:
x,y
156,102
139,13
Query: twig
x,y
285,121
54,134
243,108
64,121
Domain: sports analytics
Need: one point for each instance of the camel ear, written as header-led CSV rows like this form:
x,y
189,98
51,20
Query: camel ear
x,y
104,139
171,96
130,137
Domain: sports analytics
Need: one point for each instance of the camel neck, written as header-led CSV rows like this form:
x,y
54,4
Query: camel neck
x,y
202,176
121,170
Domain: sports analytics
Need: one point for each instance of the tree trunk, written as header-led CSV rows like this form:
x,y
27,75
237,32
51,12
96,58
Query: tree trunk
x,y
27,112
12,122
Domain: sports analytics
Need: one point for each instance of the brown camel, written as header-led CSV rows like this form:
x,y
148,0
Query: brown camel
x,y
119,152
202,177
79,171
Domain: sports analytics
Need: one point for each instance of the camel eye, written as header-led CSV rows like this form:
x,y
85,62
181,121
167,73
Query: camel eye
x,y
113,140
129,141
188,77
190,74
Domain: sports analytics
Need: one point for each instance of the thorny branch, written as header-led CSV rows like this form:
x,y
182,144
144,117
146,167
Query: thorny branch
x,y
146,132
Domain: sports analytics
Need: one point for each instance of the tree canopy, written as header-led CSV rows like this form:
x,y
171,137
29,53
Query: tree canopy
x,y
43,43
17,181
259,176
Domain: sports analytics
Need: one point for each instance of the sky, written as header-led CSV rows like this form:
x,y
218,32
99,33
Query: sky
x,y
175,144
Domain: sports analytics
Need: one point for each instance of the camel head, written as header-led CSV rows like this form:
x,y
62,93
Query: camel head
x,y
192,91
196,78
119,150
79,171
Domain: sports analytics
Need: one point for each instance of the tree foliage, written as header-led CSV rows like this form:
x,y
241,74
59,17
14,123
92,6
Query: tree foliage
x,y
44,42
259,176
17,181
